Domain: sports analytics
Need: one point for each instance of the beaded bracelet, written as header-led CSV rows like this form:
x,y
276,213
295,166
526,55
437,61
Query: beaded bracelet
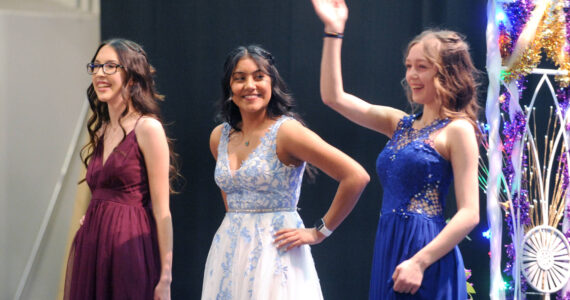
x,y
336,35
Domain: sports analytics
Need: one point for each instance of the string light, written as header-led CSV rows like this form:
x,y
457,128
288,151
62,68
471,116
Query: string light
x,y
501,17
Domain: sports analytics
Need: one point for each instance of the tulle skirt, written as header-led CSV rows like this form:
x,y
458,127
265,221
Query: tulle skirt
x,y
243,262
114,254
398,238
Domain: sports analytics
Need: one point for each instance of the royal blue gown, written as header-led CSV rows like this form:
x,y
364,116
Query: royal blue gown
x,y
415,179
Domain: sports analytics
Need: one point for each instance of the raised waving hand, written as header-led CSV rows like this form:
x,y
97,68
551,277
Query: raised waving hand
x,y
383,119
333,13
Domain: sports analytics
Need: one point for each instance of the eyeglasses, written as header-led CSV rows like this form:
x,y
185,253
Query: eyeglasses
x,y
108,68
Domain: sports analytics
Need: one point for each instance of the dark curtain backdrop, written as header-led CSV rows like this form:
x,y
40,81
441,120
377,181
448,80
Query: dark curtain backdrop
x,y
187,41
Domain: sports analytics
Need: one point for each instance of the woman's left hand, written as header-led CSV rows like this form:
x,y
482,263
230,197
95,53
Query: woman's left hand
x,y
408,277
290,238
162,291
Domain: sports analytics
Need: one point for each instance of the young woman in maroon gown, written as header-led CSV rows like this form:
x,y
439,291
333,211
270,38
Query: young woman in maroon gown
x,y
123,249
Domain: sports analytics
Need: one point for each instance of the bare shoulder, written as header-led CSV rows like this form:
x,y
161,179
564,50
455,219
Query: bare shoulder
x,y
151,138
150,134
216,133
292,131
291,126
460,128
461,138
215,139
149,126
296,143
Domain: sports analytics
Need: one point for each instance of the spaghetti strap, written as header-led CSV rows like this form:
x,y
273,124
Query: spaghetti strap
x,y
118,237
137,122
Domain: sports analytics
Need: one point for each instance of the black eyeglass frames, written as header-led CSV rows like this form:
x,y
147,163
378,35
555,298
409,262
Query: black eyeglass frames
x,y
108,68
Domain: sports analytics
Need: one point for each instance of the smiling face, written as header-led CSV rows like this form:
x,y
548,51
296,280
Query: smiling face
x,y
420,75
251,86
108,87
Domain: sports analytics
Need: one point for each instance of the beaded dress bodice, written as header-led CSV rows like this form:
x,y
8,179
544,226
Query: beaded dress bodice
x,y
262,182
414,176
262,194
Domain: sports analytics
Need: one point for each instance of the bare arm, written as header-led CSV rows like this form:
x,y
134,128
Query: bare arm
x,y
297,143
154,146
214,142
463,153
383,119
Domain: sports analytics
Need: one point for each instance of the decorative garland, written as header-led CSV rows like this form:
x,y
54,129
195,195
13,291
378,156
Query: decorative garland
x,y
518,34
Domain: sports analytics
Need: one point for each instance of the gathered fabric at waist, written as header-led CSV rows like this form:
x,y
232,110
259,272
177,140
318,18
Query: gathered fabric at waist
x,y
125,197
405,214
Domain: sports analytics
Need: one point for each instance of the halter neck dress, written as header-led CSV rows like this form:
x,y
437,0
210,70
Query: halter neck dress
x,y
415,180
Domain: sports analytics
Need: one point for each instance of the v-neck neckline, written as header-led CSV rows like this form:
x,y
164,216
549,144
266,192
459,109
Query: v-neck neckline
x,y
105,161
250,155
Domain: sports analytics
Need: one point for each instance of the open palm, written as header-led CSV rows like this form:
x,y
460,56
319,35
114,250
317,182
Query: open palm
x,y
333,13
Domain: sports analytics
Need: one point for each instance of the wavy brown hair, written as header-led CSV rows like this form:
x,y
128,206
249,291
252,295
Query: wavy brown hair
x,y
139,87
456,80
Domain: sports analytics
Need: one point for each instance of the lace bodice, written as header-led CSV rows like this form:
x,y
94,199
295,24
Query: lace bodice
x,y
262,182
414,176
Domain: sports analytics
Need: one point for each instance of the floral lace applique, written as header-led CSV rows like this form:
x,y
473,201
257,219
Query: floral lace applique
x,y
426,202
405,133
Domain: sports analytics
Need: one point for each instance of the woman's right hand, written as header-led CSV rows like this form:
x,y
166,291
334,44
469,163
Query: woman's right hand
x,y
290,238
82,220
333,13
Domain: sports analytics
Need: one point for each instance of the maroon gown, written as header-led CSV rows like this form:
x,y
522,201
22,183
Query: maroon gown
x,y
115,252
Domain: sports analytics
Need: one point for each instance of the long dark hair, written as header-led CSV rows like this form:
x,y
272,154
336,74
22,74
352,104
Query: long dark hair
x,y
139,87
281,102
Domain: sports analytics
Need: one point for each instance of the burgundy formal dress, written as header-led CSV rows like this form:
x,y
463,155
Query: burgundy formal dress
x,y
115,252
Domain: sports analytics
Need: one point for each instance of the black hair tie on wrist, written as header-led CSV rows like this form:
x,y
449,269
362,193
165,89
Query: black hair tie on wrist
x,y
336,35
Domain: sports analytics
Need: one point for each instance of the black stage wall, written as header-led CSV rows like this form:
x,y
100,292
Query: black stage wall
x,y
187,41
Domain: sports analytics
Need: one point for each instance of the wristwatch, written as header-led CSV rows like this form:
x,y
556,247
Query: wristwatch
x,y
322,228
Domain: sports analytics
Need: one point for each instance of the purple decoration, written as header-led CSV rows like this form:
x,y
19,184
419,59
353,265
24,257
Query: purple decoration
x,y
506,101
521,84
510,251
512,134
560,297
518,13
562,95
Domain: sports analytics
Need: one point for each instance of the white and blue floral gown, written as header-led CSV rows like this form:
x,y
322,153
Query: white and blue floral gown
x,y
262,196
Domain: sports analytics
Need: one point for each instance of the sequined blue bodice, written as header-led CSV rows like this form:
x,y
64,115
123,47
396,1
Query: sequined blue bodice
x,y
414,176
262,182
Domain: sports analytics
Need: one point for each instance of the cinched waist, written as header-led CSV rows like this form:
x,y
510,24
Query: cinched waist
x,y
405,214
131,198
261,210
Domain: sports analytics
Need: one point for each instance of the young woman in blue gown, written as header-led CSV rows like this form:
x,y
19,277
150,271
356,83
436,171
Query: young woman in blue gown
x,y
415,252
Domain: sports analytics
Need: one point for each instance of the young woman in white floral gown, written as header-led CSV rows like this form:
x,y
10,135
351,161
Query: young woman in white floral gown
x,y
261,250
